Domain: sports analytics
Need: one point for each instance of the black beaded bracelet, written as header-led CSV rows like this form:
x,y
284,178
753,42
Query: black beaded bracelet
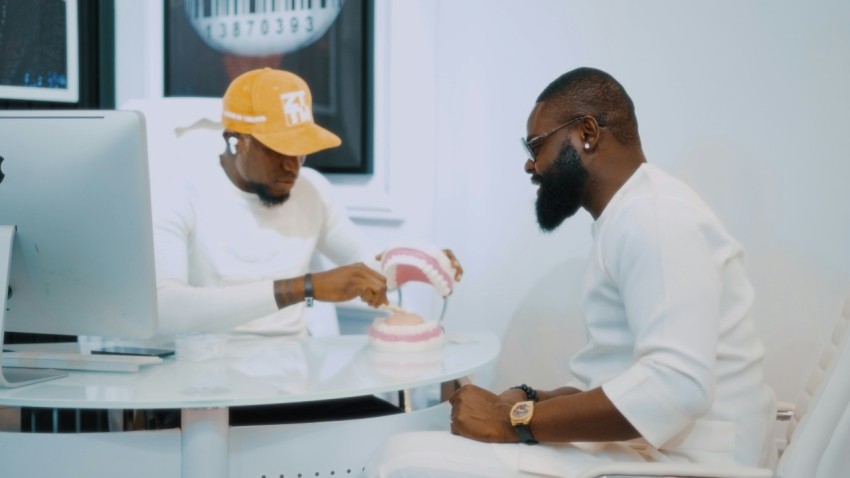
x,y
530,393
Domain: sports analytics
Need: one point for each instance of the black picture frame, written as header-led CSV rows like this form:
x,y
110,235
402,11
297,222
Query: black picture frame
x,y
337,66
39,51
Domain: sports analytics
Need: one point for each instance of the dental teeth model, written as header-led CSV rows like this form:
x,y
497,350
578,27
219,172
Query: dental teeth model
x,y
405,264
403,330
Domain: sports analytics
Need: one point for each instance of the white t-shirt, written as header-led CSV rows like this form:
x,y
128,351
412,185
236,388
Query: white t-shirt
x,y
219,249
670,335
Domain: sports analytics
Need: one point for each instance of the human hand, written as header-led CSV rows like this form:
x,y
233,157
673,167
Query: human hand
x,y
481,415
455,264
351,281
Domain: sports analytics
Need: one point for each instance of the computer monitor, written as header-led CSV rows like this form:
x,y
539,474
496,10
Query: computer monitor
x,y
76,239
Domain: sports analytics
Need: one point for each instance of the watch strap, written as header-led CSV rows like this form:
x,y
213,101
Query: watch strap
x,y
308,290
524,434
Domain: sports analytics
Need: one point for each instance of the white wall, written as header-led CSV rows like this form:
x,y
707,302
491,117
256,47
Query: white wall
x,y
747,101
744,100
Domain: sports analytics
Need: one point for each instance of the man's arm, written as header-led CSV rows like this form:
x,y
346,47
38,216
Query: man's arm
x,y
336,285
565,415
183,308
514,395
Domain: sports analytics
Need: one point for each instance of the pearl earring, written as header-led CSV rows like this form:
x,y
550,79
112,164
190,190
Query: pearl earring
x,y
587,146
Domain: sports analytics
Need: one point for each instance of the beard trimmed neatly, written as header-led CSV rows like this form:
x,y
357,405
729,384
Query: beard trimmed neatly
x,y
561,189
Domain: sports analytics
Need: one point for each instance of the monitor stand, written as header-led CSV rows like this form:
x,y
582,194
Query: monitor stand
x,y
14,377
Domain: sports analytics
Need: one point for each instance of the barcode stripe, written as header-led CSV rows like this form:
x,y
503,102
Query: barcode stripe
x,y
225,8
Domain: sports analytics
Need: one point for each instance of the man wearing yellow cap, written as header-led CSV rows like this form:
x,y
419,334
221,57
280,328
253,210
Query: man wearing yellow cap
x,y
234,249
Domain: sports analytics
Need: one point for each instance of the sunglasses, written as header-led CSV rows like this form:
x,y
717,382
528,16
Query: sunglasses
x,y
533,143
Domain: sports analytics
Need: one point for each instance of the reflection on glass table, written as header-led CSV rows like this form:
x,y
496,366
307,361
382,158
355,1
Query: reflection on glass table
x,y
256,371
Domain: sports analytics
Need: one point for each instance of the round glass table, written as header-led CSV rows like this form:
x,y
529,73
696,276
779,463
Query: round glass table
x,y
256,371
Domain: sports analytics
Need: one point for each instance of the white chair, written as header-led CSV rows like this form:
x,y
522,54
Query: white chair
x,y
818,433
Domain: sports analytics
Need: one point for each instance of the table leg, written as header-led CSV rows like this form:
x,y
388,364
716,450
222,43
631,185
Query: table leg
x,y
448,388
205,442
406,400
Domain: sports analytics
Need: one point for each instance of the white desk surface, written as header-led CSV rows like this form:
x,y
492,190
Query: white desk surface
x,y
257,371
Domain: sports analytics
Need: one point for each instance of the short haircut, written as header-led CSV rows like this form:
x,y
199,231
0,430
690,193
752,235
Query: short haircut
x,y
591,92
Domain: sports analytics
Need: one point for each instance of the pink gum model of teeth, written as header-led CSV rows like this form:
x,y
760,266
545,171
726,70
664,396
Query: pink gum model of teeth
x,y
408,264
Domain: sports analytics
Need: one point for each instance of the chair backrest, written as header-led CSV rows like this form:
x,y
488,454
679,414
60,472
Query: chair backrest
x,y
168,120
819,432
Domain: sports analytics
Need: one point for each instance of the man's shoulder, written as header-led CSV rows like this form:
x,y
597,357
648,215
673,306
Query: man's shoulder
x,y
313,176
653,188
201,177
660,204
313,181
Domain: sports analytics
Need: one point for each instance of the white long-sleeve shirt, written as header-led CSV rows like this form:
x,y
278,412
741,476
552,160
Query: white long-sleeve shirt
x,y
219,249
671,338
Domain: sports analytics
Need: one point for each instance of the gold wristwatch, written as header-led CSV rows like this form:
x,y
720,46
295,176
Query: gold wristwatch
x,y
521,414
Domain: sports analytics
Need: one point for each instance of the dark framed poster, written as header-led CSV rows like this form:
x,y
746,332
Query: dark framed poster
x,y
326,42
39,51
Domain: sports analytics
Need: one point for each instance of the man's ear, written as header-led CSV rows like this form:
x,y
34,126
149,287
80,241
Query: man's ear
x,y
590,134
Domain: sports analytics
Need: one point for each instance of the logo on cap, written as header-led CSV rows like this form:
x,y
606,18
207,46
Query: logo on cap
x,y
295,108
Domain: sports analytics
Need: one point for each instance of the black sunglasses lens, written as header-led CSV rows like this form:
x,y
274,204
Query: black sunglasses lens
x,y
528,149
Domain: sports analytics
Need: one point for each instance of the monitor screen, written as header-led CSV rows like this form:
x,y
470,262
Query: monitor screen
x,y
74,191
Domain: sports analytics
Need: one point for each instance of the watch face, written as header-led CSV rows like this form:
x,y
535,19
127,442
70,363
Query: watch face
x,y
520,411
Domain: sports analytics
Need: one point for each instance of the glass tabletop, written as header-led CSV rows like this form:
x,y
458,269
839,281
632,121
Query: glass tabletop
x,y
255,371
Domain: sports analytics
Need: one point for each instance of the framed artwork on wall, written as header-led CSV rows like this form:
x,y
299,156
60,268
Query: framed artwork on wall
x,y
326,42
39,51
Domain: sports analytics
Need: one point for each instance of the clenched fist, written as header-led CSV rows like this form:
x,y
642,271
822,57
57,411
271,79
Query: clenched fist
x,y
481,415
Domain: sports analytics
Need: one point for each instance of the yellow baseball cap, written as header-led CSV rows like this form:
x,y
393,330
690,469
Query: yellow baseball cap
x,y
276,108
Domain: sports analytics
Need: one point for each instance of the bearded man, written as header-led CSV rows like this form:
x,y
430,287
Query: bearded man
x,y
672,370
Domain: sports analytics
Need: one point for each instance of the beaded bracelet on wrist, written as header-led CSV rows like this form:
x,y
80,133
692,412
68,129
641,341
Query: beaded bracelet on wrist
x,y
530,393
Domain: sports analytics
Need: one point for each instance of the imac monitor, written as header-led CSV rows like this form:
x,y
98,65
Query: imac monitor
x,y
76,240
